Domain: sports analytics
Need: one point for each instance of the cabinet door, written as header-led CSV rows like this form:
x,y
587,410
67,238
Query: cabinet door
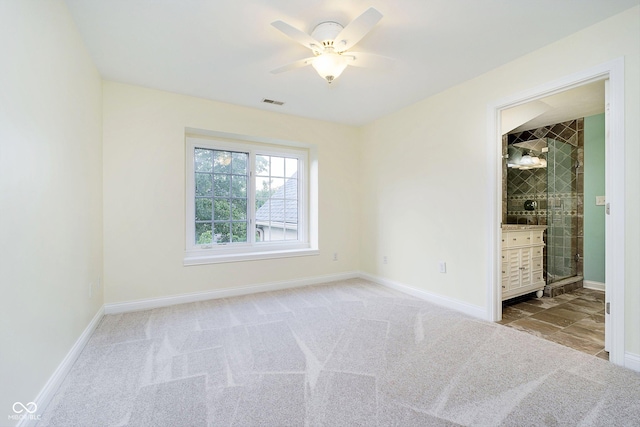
x,y
525,267
513,270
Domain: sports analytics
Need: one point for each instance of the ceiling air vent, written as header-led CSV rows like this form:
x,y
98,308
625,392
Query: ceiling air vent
x,y
271,101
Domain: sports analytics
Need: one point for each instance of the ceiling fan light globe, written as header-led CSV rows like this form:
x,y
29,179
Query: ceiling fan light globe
x,y
329,65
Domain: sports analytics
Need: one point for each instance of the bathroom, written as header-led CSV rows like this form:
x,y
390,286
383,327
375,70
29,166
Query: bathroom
x,y
553,186
545,186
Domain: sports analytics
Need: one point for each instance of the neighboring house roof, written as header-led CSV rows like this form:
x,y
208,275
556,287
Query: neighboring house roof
x,y
283,203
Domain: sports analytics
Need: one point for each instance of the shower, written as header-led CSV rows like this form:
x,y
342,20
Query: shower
x,y
563,229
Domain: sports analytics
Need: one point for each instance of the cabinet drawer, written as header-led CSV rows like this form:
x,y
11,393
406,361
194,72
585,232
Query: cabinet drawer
x,y
505,271
536,251
537,276
518,238
536,263
536,237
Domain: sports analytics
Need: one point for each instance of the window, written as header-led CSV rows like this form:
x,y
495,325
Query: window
x,y
220,196
276,198
245,201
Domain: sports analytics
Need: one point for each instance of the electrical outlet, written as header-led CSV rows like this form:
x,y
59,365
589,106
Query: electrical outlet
x,y
384,259
442,266
335,256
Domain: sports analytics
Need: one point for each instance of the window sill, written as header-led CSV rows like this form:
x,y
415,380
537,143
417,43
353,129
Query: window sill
x,y
217,258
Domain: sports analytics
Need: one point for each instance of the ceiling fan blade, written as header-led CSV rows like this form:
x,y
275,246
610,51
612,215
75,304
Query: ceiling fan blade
x,y
303,38
369,60
356,30
292,66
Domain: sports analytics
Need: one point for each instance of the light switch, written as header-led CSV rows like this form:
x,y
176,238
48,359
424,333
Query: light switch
x,y
600,200
442,266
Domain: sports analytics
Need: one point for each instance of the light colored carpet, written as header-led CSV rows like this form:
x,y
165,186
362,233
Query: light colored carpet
x,y
341,354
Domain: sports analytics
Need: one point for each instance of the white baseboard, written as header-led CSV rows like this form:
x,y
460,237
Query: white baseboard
x,y
632,361
463,307
46,394
149,303
589,284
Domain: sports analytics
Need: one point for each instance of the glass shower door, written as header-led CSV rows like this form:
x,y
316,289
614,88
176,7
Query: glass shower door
x,y
562,218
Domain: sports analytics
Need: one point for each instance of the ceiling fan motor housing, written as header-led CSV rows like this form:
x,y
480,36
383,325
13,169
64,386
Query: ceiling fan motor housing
x,y
326,32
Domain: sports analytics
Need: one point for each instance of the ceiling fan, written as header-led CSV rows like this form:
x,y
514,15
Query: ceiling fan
x,y
330,43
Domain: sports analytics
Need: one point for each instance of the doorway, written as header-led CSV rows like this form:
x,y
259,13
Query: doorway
x,y
614,183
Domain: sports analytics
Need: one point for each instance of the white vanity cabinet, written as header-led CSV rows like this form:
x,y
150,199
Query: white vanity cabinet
x,y
522,251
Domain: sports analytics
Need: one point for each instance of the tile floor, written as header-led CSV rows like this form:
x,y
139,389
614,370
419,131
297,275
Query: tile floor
x,y
574,319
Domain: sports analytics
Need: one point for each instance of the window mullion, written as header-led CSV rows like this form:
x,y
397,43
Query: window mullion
x,y
251,192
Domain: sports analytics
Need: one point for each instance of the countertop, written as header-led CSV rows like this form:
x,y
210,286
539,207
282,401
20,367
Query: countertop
x,y
515,227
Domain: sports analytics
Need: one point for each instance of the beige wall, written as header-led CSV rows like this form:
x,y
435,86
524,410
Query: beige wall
x,y
50,194
144,193
425,171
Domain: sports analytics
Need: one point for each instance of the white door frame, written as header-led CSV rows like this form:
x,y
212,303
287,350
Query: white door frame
x,y
614,188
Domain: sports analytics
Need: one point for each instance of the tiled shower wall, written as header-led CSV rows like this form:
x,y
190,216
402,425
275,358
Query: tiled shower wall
x,y
563,212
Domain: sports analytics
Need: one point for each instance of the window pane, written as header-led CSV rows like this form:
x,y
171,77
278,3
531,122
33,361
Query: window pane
x,y
260,203
221,210
204,160
276,187
238,209
222,232
222,161
239,232
277,232
221,185
262,165
262,187
239,163
263,212
277,166
291,167
203,233
203,184
291,233
291,191
203,209
276,201
238,186
291,212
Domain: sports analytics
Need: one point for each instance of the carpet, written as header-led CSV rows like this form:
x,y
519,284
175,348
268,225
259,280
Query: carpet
x,y
347,353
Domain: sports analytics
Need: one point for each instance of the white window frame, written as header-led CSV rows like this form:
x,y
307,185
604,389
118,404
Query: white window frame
x,y
305,245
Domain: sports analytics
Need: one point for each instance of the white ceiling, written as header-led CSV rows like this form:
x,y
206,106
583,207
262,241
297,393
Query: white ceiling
x,y
224,49
583,101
